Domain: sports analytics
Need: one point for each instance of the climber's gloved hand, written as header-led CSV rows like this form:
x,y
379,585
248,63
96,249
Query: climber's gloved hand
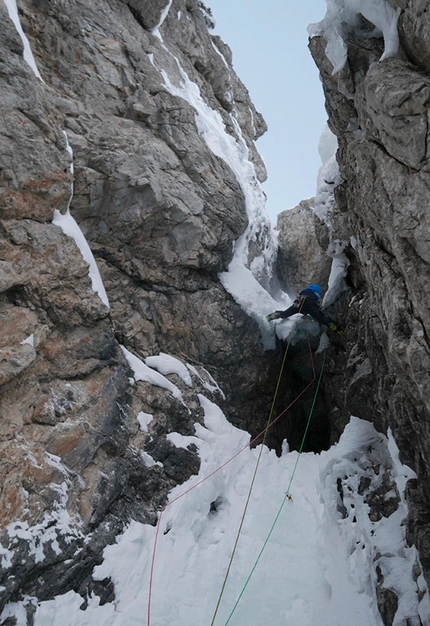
x,y
273,316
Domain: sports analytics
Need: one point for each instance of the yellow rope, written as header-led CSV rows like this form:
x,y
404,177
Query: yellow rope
x,y
287,494
252,484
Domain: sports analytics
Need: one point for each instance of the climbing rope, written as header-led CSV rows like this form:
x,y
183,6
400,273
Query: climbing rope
x,y
256,470
287,493
248,445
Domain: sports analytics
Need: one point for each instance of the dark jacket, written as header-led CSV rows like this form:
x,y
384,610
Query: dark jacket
x,y
308,303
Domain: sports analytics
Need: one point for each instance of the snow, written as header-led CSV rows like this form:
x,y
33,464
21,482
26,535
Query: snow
x,y
311,560
244,278
318,567
144,420
145,373
167,364
164,13
29,340
212,385
27,54
253,298
149,461
69,226
43,535
342,20
207,14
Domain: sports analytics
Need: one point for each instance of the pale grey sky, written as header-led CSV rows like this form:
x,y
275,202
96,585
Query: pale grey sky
x,y
270,55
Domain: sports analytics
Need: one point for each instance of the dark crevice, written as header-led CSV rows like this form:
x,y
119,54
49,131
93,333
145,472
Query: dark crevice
x,y
137,16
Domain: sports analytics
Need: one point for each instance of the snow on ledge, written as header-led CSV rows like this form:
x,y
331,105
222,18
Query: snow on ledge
x,y
144,373
144,420
342,18
29,340
166,364
69,226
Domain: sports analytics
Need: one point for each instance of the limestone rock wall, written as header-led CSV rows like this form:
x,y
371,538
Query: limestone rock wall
x,y
302,257
379,112
160,212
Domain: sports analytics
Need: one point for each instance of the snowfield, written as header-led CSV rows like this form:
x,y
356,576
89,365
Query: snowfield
x,y
318,567
312,560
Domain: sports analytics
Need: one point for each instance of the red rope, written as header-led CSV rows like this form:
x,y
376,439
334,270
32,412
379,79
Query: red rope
x,y
151,576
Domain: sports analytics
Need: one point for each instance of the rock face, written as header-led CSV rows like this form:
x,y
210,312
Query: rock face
x,y
302,258
160,211
379,112
127,87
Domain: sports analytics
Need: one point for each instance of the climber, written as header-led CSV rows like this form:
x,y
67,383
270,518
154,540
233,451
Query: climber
x,y
308,302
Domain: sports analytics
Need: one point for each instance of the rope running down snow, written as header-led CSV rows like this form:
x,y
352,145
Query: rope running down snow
x,y
255,473
286,497
151,576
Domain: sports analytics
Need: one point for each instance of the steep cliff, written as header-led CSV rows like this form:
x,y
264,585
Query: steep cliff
x,y
377,99
130,121
108,116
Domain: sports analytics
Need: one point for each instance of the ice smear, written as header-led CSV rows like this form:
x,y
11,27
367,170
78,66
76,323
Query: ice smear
x,y
342,19
28,54
328,179
147,374
245,276
69,226
337,280
328,176
212,385
156,30
167,364
318,567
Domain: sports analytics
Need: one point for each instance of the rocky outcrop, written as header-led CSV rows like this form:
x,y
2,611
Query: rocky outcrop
x,y
126,93
302,258
379,112
160,211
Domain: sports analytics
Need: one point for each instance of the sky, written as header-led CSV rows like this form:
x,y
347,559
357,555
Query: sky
x,y
308,560
270,55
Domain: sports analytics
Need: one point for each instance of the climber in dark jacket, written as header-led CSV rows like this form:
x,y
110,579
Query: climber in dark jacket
x,y
307,303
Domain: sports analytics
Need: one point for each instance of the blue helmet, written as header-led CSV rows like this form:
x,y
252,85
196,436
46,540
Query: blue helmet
x,y
315,287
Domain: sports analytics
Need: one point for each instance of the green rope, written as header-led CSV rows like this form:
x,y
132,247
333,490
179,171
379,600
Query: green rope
x,y
286,497
251,486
